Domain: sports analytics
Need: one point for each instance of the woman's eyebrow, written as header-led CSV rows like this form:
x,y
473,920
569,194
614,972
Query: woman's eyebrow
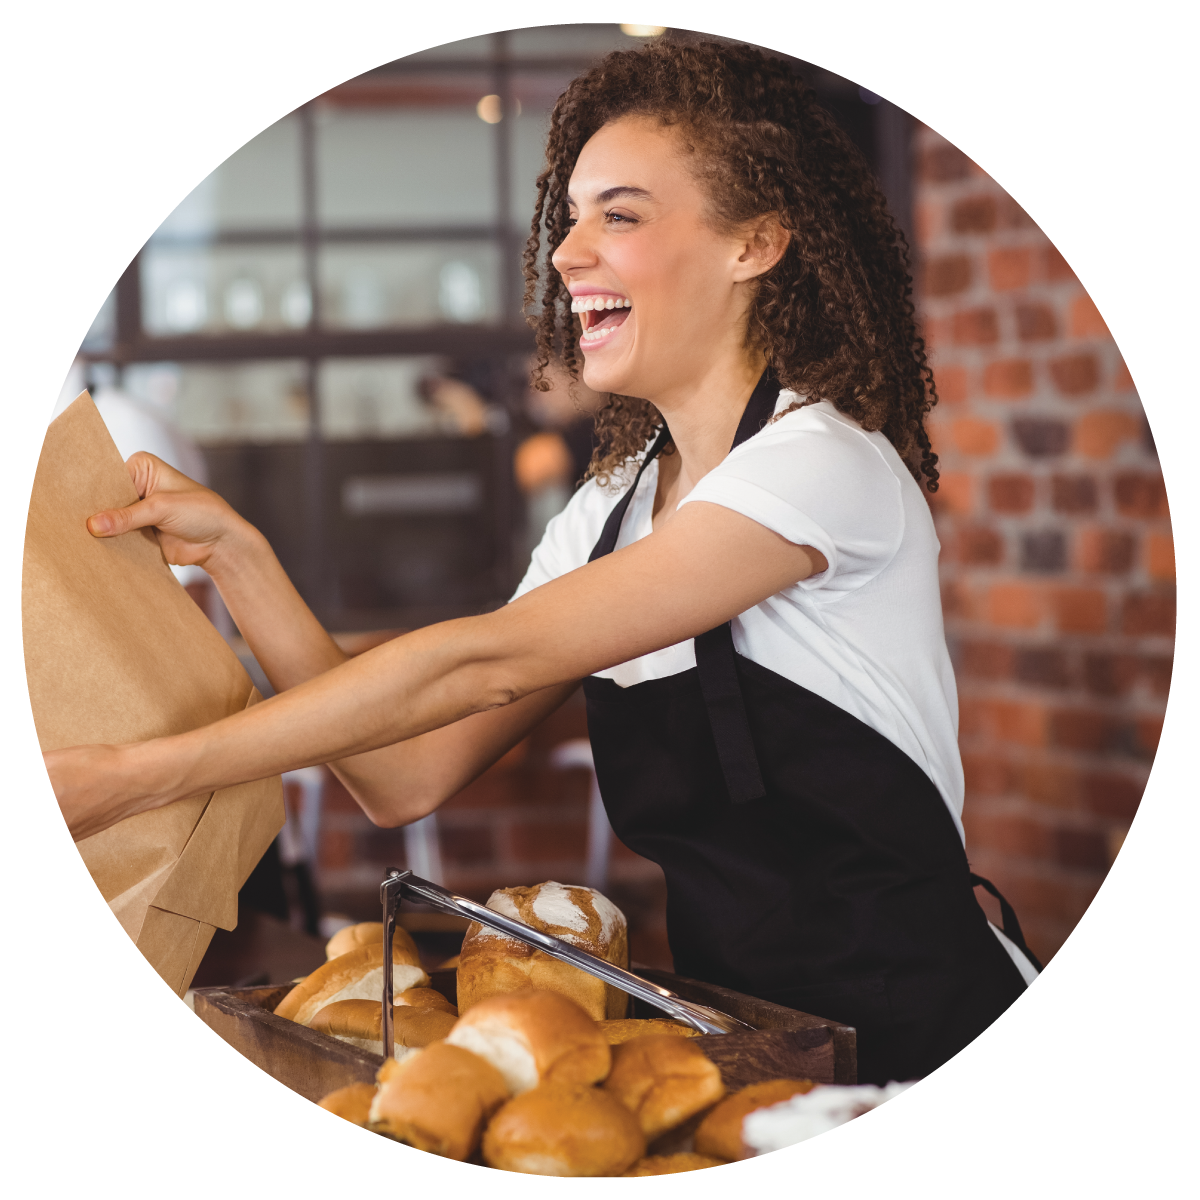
x,y
612,193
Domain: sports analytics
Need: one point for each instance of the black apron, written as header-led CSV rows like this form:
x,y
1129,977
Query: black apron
x,y
808,860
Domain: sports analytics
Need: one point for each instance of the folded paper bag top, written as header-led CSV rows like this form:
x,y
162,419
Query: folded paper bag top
x,y
116,651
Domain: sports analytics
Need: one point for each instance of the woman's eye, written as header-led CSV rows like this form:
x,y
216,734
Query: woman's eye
x,y
621,218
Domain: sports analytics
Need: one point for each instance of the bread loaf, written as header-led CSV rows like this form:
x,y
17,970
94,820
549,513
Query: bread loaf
x,y
663,1080
437,1100
352,1103
491,964
354,976
534,1037
360,1023
423,997
565,1130
671,1164
720,1133
623,1031
368,933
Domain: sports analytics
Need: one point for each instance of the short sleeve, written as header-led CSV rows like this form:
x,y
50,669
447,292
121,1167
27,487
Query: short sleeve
x,y
817,480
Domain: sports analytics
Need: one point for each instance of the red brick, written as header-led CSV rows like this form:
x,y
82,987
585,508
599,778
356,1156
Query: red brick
x,y
1074,493
1041,438
1081,848
951,384
1157,673
1110,674
1008,378
1021,722
1109,794
1012,216
1035,322
1122,380
985,660
974,214
978,546
335,798
1098,434
1010,267
1079,610
1105,551
927,221
947,275
1014,605
1140,495
545,842
973,717
1048,783
1012,835
1075,374
975,327
1148,614
468,847
1148,731
1160,557
955,493
1055,268
336,849
942,163
1011,493
1084,729
971,435
1041,666
1084,319
958,601
986,775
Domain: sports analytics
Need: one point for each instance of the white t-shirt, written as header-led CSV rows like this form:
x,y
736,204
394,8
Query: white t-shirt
x,y
865,634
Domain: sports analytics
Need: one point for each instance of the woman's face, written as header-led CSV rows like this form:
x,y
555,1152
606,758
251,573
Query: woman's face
x,y
662,295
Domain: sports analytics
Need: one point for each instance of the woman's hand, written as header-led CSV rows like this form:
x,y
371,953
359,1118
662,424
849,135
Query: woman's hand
x,y
195,526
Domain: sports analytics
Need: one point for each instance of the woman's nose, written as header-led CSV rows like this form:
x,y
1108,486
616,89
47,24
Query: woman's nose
x,y
575,251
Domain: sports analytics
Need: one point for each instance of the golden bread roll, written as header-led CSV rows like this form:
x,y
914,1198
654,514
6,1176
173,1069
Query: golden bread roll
x,y
367,933
354,976
671,1164
625,1030
663,1080
563,1129
534,1037
359,1023
720,1133
437,1100
491,964
351,1103
423,997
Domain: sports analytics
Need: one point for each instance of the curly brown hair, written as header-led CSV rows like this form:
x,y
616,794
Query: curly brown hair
x,y
834,317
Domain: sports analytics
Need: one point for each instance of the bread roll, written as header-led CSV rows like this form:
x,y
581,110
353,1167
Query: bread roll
x,y
563,1129
354,976
623,1031
534,1037
720,1133
437,1100
359,1023
368,933
351,1103
663,1080
671,1164
423,997
491,964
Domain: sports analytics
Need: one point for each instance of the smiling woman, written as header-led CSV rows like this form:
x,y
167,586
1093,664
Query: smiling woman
x,y
746,585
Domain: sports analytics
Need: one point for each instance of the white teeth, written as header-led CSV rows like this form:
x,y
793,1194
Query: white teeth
x,y
592,303
609,303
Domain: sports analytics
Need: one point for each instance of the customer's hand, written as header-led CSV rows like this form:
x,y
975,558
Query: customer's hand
x,y
97,786
195,526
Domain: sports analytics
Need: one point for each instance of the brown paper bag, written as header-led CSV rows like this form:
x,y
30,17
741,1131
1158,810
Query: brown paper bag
x,y
116,651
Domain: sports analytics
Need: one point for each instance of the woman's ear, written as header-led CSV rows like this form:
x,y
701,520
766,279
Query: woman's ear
x,y
763,242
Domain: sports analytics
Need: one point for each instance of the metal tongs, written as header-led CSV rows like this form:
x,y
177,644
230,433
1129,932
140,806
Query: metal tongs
x,y
398,883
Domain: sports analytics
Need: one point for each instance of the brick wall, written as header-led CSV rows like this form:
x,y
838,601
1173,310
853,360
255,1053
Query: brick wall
x,y
1057,563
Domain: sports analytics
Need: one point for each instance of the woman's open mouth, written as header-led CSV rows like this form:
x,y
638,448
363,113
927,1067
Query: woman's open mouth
x,y
600,317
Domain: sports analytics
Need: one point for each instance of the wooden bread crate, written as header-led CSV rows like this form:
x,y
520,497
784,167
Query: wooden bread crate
x,y
785,1044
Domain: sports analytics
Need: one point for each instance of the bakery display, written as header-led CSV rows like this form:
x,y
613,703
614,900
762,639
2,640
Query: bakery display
x,y
368,933
720,1133
423,997
672,1164
565,1130
491,964
357,975
534,1037
437,1100
352,1103
663,1080
625,1029
360,1023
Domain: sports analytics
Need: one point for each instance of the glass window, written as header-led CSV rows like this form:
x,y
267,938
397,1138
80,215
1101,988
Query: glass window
x,y
476,47
407,166
99,338
409,285
537,94
556,41
226,402
222,289
365,398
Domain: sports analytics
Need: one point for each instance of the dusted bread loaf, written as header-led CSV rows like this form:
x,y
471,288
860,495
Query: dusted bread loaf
x,y
492,964
437,1100
352,1103
534,1037
563,1129
423,997
354,976
720,1133
360,1023
368,933
663,1080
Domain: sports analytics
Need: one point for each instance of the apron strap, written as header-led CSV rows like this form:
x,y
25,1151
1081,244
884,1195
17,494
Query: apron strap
x,y
612,527
1010,926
